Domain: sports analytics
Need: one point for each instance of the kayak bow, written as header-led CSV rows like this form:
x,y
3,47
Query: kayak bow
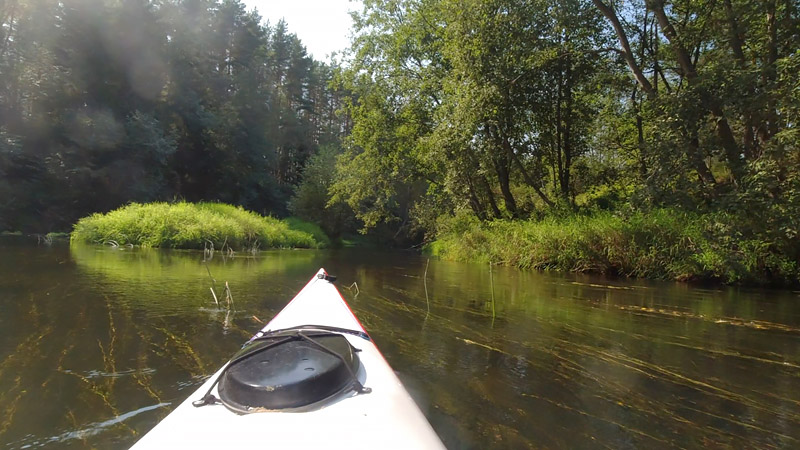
x,y
311,378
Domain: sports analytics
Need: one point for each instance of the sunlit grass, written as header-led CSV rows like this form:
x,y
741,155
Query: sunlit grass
x,y
193,226
662,243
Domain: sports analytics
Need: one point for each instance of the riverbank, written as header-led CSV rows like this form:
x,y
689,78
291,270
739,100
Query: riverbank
x,y
196,226
661,244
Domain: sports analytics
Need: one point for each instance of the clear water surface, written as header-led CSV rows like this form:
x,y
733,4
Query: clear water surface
x,y
98,344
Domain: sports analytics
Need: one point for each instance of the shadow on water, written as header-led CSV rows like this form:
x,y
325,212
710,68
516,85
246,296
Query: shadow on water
x,y
98,344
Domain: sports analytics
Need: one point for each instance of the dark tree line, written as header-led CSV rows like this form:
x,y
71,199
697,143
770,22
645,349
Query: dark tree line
x,y
103,103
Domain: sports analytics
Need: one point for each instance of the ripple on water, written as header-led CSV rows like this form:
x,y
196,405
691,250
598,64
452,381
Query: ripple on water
x,y
512,360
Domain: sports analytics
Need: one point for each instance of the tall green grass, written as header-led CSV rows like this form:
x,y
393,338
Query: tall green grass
x,y
192,226
662,244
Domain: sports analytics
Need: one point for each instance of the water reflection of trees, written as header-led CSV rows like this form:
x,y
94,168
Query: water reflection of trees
x,y
110,341
144,276
573,360
566,361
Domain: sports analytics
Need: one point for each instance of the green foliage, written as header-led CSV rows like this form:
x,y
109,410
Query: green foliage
x,y
110,102
312,199
663,243
311,196
508,109
481,108
313,229
192,225
392,83
515,108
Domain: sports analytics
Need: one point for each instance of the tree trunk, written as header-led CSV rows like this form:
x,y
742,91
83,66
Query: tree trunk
x,y
474,201
503,177
724,133
734,34
641,145
640,137
770,73
559,132
735,40
525,175
567,130
502,167
490,196
698,162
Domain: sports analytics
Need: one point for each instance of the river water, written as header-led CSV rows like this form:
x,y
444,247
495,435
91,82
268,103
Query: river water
x,y
98,344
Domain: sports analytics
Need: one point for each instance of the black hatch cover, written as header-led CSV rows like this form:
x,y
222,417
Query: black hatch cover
x,y
286,372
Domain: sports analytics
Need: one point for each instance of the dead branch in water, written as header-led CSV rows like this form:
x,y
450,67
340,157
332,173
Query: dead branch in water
x,y
228,295
208,251
425,283
214,294
491,282
353,286
213,284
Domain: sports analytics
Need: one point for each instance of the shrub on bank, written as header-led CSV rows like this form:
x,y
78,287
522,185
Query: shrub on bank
x,y
664,243
190,225
311,228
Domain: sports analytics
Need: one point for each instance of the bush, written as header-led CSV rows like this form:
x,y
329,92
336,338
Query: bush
x,y
311,200
311,228
663,243
190,225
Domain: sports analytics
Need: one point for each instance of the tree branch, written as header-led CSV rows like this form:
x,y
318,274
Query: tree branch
x,y
611,15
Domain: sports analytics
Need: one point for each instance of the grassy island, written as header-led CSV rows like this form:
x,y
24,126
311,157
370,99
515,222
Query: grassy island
x,y
194,226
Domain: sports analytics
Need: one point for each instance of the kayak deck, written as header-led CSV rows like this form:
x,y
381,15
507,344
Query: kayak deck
x,y
386,417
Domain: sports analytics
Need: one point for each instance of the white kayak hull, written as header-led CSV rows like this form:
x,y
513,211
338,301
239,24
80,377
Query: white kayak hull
x,y
385,418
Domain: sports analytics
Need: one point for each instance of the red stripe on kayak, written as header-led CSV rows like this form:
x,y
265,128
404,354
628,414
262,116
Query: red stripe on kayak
x,y
359,323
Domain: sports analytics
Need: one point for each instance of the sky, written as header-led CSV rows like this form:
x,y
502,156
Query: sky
x,y
322,25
